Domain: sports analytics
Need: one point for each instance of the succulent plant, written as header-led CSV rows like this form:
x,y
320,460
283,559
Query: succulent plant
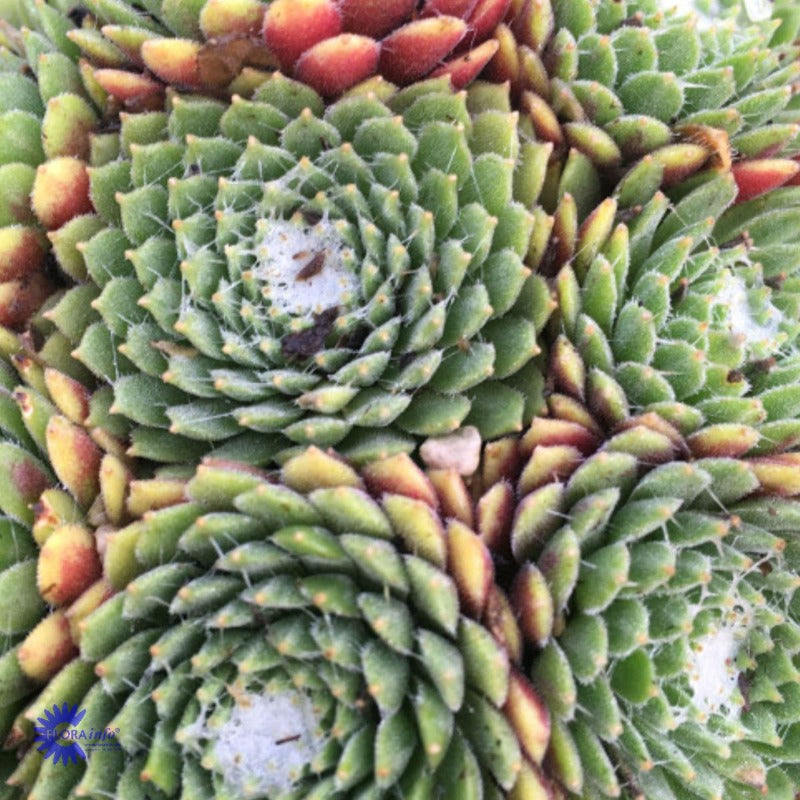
x,y
269,273
24,477
26,132
586,258
642,528
606,83
54,125
66,484
319,635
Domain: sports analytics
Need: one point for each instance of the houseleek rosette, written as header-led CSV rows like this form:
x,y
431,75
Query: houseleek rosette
x,y
348,276
24,477
52,119
316,635
49,567
635,557
44,141
610,85
633,92
268,274
655,533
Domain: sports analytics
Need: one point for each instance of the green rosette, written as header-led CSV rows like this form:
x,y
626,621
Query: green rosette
x,y
585,257
24,477
655,531
225,47
273,273
45,119
633,96
305,634
64,476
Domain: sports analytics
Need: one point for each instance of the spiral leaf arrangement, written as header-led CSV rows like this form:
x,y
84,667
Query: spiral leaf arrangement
x,y
353,276
655,505
629,95
228,45
66,484
43,140
25,477
375,673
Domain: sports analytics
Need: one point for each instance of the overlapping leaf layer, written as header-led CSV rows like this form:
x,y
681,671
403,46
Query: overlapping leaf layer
x,y
309,276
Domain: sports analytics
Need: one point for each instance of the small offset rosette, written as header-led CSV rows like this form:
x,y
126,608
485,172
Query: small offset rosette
x,y
643,95
651,521
229,46
317,633
46,122
66,485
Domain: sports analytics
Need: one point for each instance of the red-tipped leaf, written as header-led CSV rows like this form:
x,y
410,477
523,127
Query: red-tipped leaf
x,y
375,17
173,60
60,191
127,86
471,566
68,564
464,69
337,64
758,176
400,475
412,51
293,26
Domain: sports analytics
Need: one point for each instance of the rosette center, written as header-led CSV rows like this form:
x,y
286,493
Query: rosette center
x,y
266,742
304,268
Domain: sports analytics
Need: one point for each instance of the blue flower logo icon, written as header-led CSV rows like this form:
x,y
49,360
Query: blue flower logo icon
x,y
56,740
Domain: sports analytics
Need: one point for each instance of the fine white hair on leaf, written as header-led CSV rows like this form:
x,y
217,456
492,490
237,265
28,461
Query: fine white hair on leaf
x,y
742,320
305,268
268,740
713,674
